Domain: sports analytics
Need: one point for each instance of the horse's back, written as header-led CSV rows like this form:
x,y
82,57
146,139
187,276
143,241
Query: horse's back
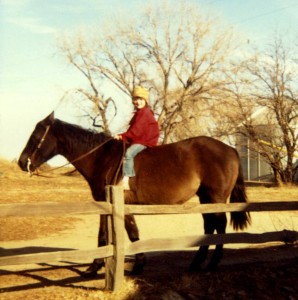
x,y
212,154
195,153
174,172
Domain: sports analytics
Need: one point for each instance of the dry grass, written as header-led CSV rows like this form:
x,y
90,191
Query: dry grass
x,y
265,194
18,187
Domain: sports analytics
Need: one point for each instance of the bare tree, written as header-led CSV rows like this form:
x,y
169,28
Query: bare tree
x,y
78,54
186,54
263,106
176,51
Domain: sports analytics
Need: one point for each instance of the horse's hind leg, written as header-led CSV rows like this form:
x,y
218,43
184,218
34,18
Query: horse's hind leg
x,y
133,234
220,226
202,253
212,222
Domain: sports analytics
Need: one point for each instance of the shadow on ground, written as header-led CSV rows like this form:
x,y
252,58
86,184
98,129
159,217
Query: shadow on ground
x,y
250,273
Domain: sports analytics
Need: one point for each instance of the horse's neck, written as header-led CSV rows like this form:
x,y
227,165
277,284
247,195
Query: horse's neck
x,y
77,144
96,158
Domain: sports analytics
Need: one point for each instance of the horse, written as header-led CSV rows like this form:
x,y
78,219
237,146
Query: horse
x,y
165,174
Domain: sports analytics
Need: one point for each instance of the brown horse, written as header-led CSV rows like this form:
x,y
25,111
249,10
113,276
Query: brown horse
x,y
167,174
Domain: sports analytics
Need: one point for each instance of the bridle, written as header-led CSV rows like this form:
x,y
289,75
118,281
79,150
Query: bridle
x,y
29,160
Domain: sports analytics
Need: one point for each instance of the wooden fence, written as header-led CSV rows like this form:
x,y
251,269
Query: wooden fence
x,y
114,253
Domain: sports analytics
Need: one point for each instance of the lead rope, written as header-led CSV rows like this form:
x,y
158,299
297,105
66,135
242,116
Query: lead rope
x,y
120,165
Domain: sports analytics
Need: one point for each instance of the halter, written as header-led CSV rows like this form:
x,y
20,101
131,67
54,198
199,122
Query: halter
x,y
37,148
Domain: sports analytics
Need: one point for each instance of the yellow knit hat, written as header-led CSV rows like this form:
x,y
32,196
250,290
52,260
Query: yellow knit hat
x,y
140,92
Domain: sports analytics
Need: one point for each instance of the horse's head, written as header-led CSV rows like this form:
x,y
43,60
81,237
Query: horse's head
x,y
41,146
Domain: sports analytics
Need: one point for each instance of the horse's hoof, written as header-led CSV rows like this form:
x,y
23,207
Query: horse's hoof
x,y
92,270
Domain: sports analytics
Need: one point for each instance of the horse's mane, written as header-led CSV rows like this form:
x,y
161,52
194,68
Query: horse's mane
x,y
83,137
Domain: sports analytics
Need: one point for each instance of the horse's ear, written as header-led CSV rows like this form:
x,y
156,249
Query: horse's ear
x,y
51,117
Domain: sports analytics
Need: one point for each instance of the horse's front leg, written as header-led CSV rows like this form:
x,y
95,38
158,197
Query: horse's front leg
x,y
98,263
133,234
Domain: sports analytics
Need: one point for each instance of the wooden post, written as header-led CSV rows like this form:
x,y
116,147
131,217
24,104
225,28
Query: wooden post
x,y
115,263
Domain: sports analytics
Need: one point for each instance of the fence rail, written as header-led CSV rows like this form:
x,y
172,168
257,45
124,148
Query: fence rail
x,y
74,208
115,209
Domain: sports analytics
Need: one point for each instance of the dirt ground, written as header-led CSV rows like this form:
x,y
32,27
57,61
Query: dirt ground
x,y
266,271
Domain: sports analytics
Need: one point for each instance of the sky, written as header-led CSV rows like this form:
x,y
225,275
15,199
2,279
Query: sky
x,y
34,76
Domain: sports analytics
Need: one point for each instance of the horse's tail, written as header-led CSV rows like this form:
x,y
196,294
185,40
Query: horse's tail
x,y
241,219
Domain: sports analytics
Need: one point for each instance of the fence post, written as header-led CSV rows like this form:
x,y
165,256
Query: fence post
x,y
116,234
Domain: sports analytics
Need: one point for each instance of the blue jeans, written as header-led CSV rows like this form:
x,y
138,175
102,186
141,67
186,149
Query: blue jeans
x,y
128,162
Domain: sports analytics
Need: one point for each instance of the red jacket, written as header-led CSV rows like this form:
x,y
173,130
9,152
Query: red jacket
x,y
143,129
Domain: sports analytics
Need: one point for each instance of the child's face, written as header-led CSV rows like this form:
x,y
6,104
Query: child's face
x,y
139,102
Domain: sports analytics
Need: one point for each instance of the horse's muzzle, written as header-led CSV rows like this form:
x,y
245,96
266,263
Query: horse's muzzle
x,y
22,164
25,164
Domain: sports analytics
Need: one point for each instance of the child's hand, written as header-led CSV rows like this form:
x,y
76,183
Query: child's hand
x,y
117,137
